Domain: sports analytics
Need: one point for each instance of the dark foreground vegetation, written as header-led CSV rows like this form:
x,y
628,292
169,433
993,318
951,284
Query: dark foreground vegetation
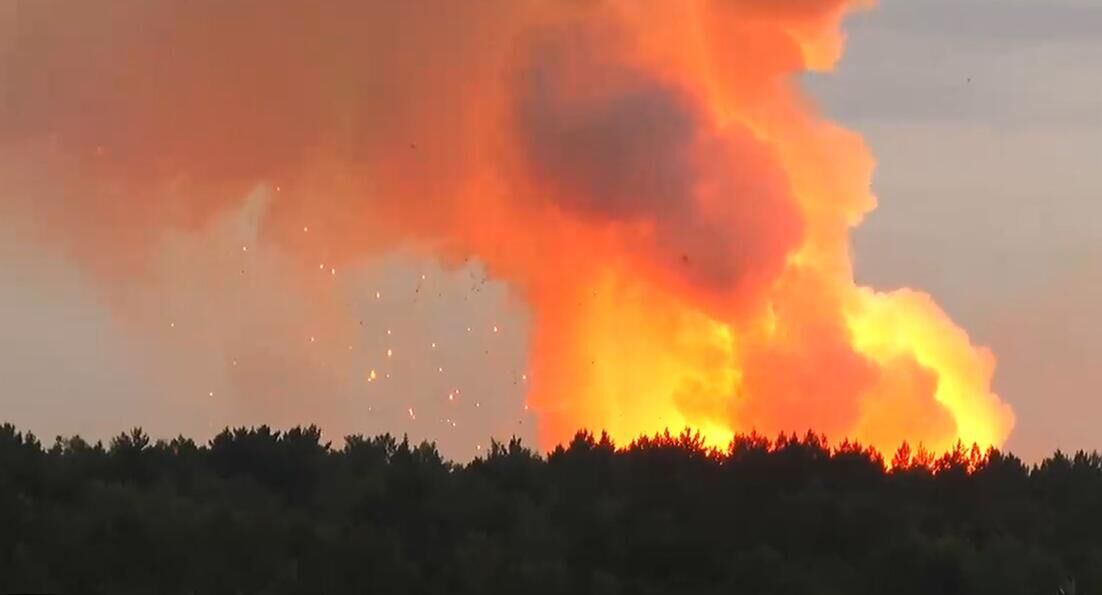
x,y
257,511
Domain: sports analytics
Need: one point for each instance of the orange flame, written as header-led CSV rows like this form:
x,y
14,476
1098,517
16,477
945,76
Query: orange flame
x,y
623,348
646,175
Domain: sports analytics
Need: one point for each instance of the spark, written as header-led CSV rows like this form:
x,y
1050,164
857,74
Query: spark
x,y
378,295
434,345
333,271
468,329
422,277
244,248
524,377
388,332
211,393
495,328
451,396
235,363
172,325
371,375
412,415
305,229
440,369
478,405
389,352
278,188
312,339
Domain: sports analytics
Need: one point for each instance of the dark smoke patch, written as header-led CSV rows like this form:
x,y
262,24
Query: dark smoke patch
x,y
618,151
617,145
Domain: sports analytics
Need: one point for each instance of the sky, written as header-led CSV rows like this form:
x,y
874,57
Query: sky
x,y
984,119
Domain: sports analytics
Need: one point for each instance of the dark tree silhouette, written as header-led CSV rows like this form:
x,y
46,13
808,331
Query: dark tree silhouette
x,y
257,510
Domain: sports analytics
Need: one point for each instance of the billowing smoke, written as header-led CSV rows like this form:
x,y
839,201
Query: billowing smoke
x,y
645,176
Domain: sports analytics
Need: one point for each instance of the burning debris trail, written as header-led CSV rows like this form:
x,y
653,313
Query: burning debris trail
x,y
646,176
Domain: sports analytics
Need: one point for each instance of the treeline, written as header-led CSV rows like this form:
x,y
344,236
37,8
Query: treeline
x,y
260,511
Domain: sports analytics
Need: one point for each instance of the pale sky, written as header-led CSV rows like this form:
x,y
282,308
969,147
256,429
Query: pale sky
x,y
985,117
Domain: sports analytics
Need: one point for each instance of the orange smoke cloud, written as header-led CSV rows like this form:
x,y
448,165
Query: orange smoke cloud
x,y
647,176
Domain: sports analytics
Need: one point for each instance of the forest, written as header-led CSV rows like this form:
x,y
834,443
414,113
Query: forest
x,y
256,510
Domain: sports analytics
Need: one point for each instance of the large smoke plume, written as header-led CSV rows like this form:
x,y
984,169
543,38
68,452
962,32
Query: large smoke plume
x,y
645,176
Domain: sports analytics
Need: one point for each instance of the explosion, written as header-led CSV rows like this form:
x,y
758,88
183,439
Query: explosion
x,y
648,177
